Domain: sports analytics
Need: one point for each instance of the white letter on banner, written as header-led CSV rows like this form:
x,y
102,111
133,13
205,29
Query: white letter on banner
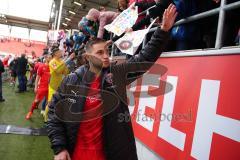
x,y
146,100
208,121
130,95
166,132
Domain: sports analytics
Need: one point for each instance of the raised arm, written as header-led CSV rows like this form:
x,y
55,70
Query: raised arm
x,y
151,52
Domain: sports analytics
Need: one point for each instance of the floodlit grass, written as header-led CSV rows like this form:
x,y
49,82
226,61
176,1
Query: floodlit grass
x,y
21,147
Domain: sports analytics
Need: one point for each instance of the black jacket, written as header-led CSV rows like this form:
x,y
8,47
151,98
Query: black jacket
x,y
118,137
1,67
21,65
12,65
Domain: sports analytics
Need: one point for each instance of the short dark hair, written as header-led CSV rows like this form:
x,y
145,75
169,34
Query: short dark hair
x,y
54,49
91,42
101,8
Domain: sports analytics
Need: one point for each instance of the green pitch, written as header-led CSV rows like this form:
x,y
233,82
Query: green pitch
x,y
21,147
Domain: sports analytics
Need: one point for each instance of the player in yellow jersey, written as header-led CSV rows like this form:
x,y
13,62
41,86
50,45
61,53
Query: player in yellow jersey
x,y
58,69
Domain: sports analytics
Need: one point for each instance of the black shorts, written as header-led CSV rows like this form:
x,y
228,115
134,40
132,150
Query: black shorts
x,y
13,74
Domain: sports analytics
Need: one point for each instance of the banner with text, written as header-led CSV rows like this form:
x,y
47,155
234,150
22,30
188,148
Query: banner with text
x,y
191,111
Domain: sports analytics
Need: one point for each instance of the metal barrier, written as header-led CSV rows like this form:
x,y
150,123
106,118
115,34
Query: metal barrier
x,y
146,11
221,10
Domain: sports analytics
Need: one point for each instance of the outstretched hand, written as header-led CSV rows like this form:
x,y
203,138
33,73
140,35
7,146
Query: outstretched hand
x,y
169,17
216,1
64,155
128,30
133,6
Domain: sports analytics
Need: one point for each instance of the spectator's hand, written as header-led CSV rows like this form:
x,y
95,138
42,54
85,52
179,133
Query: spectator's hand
x,y
64,155
35,89
169,17
216,1
72,56
133,5
109,42
128,30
